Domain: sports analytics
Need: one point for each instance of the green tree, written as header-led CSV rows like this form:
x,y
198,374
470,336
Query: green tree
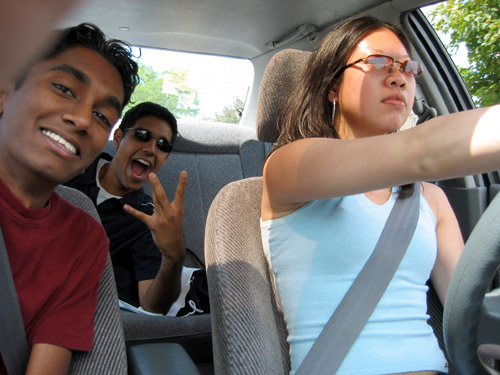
x,y
232,113
183,100
171,91
475,23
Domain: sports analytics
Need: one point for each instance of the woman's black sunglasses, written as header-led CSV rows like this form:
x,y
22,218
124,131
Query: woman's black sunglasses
x,y
145,135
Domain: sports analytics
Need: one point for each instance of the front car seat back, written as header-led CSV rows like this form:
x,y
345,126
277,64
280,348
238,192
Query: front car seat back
x,y
108,355
281,76
248,330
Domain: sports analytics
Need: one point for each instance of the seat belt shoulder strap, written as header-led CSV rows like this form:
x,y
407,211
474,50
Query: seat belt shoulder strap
x,y
13,345
344,326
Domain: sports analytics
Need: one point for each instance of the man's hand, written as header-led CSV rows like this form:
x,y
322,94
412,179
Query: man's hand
x,y
166,222
158,295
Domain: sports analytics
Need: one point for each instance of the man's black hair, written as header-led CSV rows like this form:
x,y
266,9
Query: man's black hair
x,y
149,109
117,52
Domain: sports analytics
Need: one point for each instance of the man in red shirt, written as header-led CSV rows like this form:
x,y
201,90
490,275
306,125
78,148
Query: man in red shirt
x,y
54,121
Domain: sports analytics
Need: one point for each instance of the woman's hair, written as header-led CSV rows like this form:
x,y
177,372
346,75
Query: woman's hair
x,y
308,112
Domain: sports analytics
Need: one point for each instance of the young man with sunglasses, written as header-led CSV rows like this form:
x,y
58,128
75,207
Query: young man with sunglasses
x,y
136,224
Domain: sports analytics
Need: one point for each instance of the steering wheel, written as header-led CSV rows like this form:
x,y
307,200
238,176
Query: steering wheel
x,y
471,318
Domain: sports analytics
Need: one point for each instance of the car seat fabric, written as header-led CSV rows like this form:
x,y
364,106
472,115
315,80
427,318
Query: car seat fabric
x,y
108,355
248,330
281,76
213,154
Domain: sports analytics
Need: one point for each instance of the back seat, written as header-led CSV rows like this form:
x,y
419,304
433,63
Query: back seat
x,y
213,154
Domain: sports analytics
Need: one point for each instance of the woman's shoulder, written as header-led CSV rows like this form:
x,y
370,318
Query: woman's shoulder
x,y
432,191
435,197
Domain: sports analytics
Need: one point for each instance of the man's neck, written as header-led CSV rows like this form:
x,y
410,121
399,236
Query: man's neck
x,y
31,195
108,181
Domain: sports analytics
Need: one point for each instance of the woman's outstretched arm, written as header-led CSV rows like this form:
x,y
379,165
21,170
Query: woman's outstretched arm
x,y
447,146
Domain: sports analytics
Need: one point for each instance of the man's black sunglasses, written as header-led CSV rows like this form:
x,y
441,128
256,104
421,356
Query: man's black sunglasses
x,y
145,136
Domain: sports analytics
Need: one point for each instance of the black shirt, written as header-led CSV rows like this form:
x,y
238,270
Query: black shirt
x,y
134,254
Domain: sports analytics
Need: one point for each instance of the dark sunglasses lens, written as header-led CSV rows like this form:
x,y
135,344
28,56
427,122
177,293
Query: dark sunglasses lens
x,y
142,135
164,145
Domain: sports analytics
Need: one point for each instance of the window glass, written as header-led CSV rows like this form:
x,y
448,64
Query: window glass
x,y
197,86
470,30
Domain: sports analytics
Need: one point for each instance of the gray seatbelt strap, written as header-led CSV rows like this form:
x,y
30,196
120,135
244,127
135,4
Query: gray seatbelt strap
x,y
348,320
13,345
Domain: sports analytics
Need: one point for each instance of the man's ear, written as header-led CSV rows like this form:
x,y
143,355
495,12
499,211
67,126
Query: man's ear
x,y
117,137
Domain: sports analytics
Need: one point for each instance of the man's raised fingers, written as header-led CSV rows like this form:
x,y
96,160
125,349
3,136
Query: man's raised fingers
x,y
138,214
159,195
181,187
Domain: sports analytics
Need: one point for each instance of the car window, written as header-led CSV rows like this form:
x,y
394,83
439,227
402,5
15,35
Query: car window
x,y
470,32
197,86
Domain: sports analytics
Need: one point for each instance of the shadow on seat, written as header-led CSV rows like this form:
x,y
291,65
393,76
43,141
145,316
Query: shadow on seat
x,y
248,330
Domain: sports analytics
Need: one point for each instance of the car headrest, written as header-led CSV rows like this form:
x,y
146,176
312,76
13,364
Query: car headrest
x,y
280,78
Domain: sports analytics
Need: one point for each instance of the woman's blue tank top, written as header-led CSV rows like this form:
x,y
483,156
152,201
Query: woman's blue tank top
x,y
316,253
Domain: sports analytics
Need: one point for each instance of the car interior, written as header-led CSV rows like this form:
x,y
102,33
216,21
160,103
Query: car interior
x,y
245,331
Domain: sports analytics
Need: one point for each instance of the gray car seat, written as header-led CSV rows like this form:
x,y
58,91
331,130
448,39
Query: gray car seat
x,y
248,330
249,334
109,355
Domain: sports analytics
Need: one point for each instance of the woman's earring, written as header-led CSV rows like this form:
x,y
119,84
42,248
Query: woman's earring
x,y
334,104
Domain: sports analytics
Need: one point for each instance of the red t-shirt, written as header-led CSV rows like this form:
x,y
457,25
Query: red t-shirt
x,y
57,255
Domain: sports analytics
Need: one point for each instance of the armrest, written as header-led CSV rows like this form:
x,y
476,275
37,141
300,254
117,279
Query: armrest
x,y
160,358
